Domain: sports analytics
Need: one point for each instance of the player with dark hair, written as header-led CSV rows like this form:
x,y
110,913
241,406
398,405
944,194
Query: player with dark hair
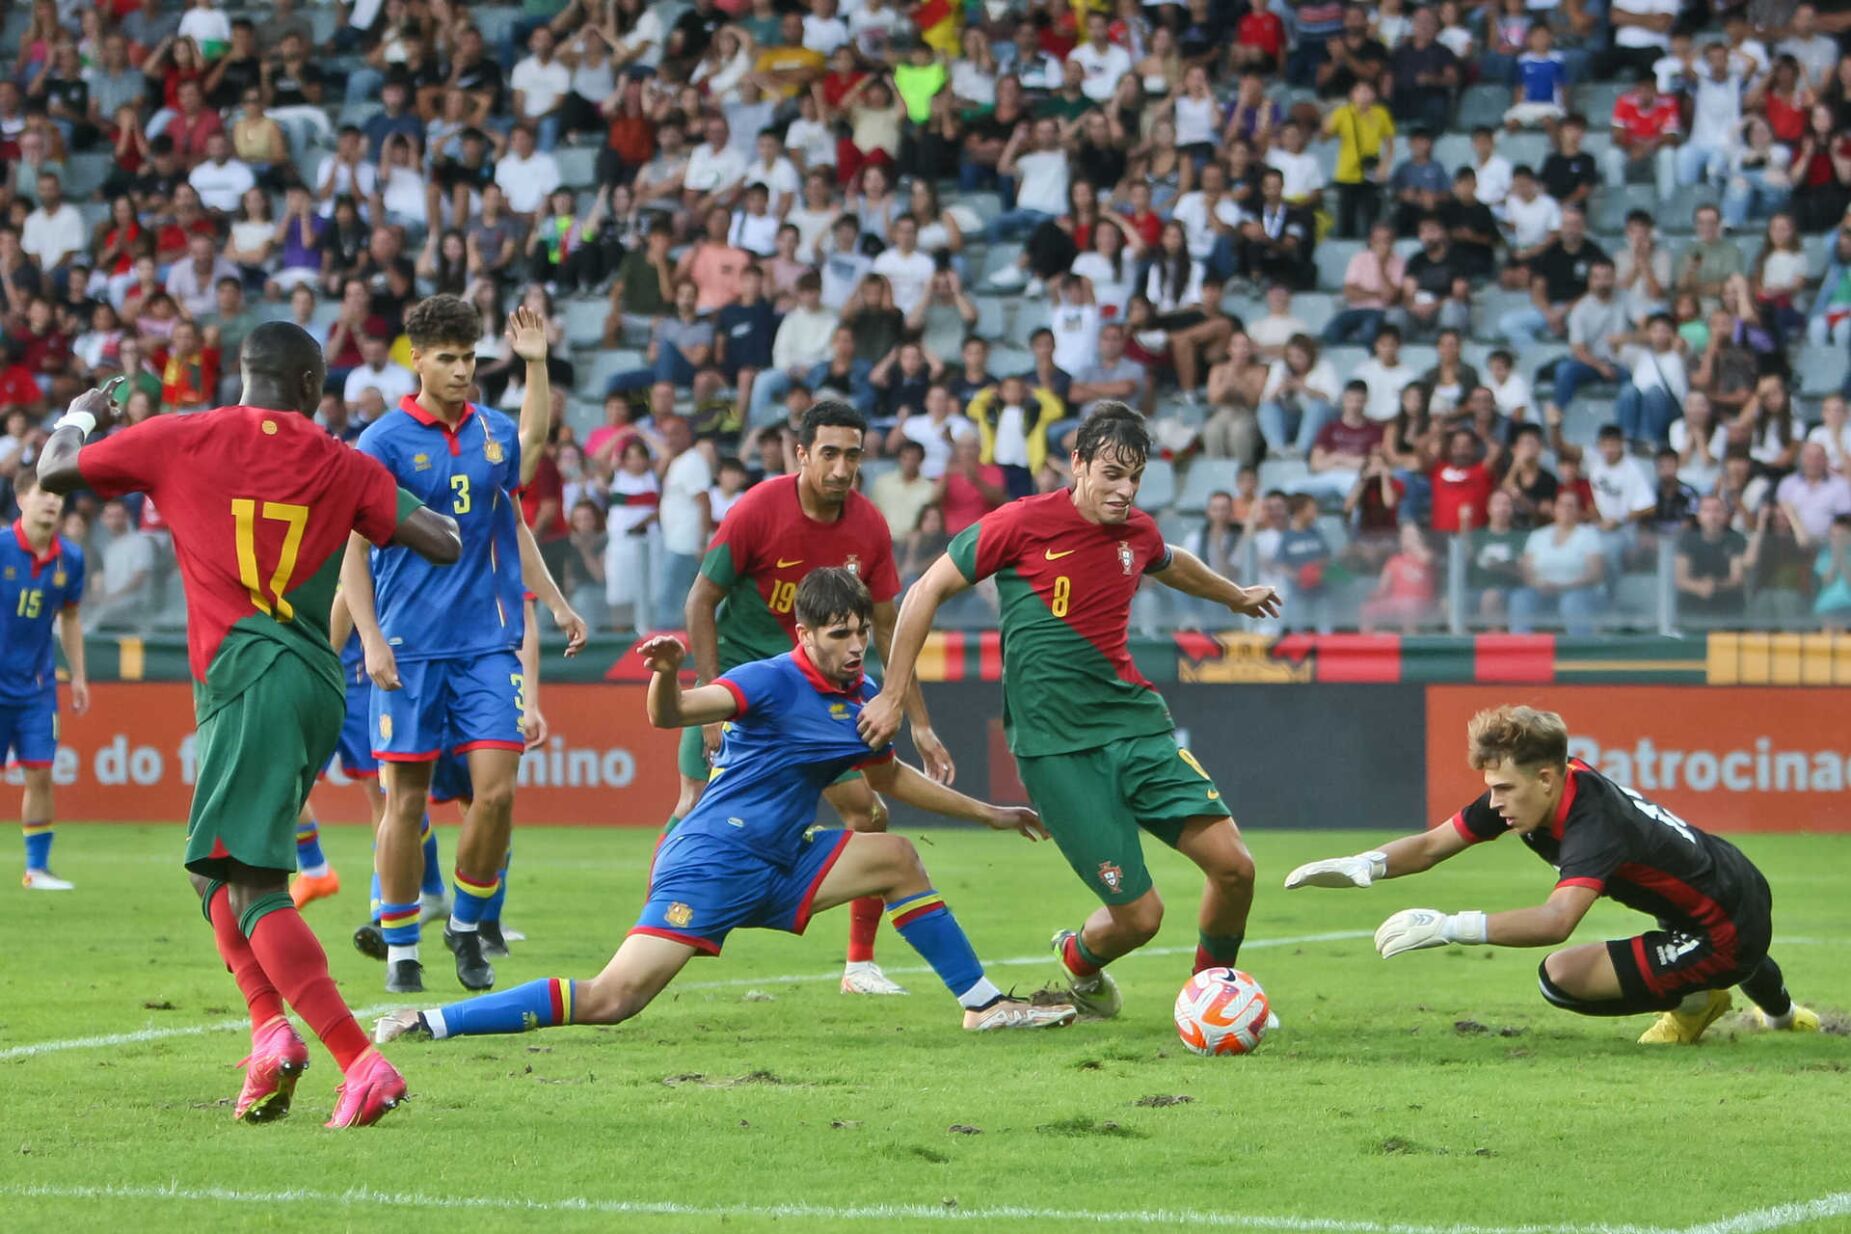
x,y
1714,909
746,856
1092,738
441,648
41,582
741,608
261,502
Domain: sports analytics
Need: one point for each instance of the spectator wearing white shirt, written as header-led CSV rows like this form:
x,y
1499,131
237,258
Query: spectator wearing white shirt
x,y
1563,568
823,30
1510,390
938,428
378,372
1623,495
1208,215
1533,219
801,343
1652,399
1715,120
1385,374
193,283
1817,53
1833,433
55,232
208,26
775,171
684,517
1641,34
1304,177
1102,60
1491,169
754,227
128,564
540,83
526,175
1040,175
716,171
220,180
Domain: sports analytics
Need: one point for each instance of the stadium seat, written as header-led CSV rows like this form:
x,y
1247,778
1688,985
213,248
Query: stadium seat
x,y
997,258
1159,487
1483,105
585,322
1026,317
1008,361
1635,602
1282,474
1822,370
607,364
1206,477
578,165
1332,258
84,174
1315,309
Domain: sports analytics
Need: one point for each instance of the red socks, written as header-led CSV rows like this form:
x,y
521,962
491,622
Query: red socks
x,y
289,952
235,949
1076,962
864,917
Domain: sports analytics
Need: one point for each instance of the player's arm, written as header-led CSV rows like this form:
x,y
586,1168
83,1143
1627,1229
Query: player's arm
x,y
880,719
533,720
932,751
90,411
701,612
669,705
71,635
357,587
539,581
340,621
915,788
527,337
1545,925
1189,574
1408,855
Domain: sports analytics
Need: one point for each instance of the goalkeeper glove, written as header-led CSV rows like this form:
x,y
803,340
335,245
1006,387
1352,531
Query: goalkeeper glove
x,y
1412,929
1357,871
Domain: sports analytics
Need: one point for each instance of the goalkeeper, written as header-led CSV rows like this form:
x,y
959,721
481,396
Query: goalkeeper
x,y
1713,907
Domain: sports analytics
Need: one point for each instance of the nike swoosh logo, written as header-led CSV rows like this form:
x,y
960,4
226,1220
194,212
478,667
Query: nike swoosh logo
x,y
785,565
1054,556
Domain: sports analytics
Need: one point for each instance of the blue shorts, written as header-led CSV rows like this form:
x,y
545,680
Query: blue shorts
x,y
702,888
454,705
450,780
29,731
355,750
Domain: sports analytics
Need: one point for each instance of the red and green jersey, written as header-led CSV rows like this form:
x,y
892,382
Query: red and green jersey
x,y
260,504
1069,682
764,547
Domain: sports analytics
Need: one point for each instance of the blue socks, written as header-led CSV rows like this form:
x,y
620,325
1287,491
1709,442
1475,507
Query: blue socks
x,y
930,929
433,866
491,911
546,1003
309,857
38,844
471,899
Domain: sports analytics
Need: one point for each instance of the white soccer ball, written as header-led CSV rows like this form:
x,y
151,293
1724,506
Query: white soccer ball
x,y
1222,1011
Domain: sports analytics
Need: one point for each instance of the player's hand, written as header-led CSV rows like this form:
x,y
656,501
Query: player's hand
x,y
381,664
1414,929
934,755
1016,818
99,401
1358,871
1256,602
527,334
879,720
80,696
574,628
711,737
534,729
663,654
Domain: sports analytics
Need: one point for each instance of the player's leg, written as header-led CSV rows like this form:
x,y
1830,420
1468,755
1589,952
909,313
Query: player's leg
x,y
1215,845
862,810
35,814
842,867
487,701
1766,987
1679,975
278,1056
315,878
408,728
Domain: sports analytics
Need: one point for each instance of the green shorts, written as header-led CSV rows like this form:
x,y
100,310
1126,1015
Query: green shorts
x,y
257,757
1094,801
691,759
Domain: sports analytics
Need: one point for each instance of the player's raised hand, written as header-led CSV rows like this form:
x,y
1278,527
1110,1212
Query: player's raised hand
x,y
1358,871
527,334
933,754
574,628
663,654
879,720
1017,818
381,664
534,728
1256,602
99,401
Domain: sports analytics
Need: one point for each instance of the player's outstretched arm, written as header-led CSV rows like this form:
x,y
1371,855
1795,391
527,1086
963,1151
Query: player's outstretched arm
x,y
1408,855
669,705
915,788
880,719
539,580
1190,575
932,751
527,338
430,535
92,411
1545,925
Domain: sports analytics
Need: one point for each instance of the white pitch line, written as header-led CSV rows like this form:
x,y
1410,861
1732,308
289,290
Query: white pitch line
x,y
1779,1217
815,1212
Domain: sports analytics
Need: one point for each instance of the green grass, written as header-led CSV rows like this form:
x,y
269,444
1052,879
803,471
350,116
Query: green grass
x,y
1435,1089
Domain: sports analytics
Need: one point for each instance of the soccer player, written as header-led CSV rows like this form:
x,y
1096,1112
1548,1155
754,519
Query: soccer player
x,y
745,857
260,502
41,582
441,646
1713,907
741,608
1093,740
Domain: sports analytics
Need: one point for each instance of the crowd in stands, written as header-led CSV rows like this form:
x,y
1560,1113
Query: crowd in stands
x,y
1504,313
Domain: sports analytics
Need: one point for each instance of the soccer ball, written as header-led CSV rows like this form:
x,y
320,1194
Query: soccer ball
x,y
1222,1011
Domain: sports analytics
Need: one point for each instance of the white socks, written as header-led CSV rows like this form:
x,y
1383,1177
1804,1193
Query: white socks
x,y
401,951
980,995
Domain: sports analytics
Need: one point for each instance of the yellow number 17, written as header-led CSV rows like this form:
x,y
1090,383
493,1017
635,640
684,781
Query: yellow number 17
x,y
244,513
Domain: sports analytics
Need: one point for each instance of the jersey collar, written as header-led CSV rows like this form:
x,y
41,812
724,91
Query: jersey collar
x,y
815,677
25,546
1575,766
410,406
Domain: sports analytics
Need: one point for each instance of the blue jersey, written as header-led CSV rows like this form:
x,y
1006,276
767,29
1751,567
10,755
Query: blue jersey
x,y
793,735
430,612
33,591
1542,77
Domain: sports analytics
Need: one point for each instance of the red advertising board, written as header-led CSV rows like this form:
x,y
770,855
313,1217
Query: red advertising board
x,y
130,759
1727,759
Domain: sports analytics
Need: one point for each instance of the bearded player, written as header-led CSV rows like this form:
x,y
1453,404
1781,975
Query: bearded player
x,y
1713,907
1093,739
41,582
441,648
747,857
261,502
742,608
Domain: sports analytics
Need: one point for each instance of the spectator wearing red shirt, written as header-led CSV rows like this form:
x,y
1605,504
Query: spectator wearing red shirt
x,y
1645,132
192,123
190,372
543,498
842,76
46,350
1259,41
1343,446
971,488
1462,485
18,388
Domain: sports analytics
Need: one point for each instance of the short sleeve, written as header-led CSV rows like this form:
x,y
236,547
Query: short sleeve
x,y
758,688
986,546
75,572
133,460
881,575
1157,555
729,556
1478,822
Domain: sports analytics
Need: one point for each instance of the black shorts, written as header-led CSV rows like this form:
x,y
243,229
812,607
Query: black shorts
x,y
1682,957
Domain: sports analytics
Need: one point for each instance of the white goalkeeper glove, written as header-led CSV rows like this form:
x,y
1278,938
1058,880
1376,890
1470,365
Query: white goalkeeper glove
x,y
1412,929
1357,871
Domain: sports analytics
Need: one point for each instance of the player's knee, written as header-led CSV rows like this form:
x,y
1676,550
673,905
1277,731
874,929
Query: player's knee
x,y
604,1001
1554,978
495,798
1141,918
1236,872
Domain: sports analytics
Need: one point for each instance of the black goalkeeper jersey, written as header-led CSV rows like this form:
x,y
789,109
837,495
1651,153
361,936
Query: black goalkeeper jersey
x,y
1609,838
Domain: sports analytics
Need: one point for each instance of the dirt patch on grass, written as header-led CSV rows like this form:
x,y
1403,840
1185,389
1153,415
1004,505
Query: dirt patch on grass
x,y
1081,1125
1159,1101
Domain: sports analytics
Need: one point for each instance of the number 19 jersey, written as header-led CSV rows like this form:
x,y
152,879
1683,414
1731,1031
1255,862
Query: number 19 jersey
x,y
1069,682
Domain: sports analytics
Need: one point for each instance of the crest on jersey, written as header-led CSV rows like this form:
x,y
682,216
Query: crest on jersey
x,y
420,461
11,572
1111,876
838,711
679,914
491,450
1124,556
853,564
58,579
385,728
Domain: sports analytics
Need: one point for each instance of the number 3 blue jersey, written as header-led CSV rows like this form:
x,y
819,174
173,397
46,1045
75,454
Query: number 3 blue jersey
x,y
437,612
33,591
793,735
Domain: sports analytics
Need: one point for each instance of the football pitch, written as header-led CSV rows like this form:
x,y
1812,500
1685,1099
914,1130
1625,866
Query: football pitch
x,y
1436,1092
